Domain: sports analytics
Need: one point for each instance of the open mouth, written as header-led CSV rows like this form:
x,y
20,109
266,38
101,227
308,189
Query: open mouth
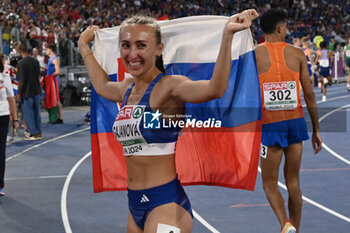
x,y
134,64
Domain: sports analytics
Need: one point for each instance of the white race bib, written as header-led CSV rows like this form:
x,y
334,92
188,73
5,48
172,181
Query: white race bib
x,y
126,128
347,53
324,62
280,95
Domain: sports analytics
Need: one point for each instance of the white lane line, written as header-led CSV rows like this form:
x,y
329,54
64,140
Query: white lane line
x,y
205,223
335,154
331,112
34,177
335,98
43,143
324,145
64,212
318,205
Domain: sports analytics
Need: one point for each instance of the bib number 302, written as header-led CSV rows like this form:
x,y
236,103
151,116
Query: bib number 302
x,y
280,95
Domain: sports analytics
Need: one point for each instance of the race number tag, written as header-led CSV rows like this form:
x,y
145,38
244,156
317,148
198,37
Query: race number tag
x,y
347,53
280,96
126,129
263,151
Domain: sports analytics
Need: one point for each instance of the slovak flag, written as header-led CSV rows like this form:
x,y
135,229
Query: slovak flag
x,y
226,156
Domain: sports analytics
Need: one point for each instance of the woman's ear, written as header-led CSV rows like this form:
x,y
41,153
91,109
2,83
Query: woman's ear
x,y
160,49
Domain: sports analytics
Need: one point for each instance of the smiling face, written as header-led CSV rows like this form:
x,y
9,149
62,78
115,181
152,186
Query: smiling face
x,y
139,48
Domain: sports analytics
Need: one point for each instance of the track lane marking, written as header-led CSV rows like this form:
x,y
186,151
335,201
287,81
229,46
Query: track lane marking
x,y
314,203
324,144
64,212
43,143
34,177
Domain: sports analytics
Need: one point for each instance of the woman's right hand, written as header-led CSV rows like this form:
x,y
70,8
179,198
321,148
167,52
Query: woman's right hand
x,y
88,35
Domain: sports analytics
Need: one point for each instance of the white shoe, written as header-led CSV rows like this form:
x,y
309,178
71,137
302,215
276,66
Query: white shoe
x,y
324,98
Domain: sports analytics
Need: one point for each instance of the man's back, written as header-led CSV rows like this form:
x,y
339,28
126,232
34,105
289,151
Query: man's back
x,y
29,72
291,56
279,73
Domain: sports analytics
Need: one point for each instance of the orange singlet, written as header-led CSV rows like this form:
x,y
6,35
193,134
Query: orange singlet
x,y
280,88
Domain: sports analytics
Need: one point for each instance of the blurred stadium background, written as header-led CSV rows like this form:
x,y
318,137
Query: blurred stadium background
x,y
41,22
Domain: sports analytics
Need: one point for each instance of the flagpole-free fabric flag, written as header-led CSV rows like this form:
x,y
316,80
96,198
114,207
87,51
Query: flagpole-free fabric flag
x,y
226,156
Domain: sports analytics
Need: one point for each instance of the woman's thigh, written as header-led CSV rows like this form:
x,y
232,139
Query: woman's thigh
x,y
169,216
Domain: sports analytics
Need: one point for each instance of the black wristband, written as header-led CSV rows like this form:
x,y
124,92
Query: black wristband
x,y
15,121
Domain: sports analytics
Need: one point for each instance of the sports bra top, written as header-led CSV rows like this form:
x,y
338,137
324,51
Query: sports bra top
x,y
140,130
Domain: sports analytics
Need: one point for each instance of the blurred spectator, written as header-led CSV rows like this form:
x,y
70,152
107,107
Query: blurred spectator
x,y
7,108
40,59
332,44
346,59
29,91
34,22
51,86
297,42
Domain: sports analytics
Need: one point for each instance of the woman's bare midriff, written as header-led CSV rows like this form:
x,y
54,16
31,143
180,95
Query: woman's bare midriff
x,y
146,172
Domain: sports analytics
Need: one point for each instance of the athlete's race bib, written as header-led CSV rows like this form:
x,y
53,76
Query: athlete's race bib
x,y
324,62
280,95
126,128
347,53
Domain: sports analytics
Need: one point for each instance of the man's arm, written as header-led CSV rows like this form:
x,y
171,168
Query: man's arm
x,y
310,99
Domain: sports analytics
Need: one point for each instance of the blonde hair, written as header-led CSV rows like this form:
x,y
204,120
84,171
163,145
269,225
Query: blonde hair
x,y
305,39
146,20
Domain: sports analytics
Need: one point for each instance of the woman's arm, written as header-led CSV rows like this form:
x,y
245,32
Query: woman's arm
x,y
11,100
205,90
56,63
100,80
13,111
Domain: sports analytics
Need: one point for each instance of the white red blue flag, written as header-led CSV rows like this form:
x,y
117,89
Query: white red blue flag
x,y
226,156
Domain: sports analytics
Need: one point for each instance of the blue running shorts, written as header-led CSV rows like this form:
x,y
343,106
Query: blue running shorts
x,y
142,202
325,71
284,133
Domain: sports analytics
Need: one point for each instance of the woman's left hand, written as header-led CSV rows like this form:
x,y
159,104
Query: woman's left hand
x,y
241,21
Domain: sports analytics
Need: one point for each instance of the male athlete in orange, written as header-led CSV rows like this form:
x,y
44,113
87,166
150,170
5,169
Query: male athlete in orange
x,y
282,68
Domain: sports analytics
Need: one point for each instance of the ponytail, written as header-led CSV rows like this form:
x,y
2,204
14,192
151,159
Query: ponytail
x,y
160,63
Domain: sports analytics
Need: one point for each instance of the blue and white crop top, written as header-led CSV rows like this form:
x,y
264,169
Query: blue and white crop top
x,y
140,130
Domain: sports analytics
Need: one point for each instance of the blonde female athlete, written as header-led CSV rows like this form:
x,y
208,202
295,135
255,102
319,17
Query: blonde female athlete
x,y
157,201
